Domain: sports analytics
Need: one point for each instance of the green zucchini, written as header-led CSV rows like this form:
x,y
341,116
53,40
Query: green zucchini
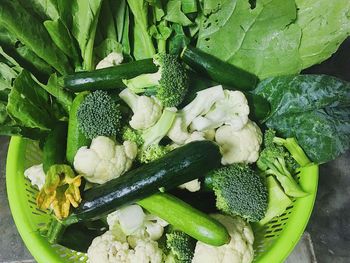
x,y
107,78
184,217
181,165
54,150
75,138
218,70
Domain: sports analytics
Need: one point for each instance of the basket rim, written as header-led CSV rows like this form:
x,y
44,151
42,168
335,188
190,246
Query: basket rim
x,y
43,252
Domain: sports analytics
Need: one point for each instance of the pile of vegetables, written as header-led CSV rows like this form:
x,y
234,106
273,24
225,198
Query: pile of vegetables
x,y
136,103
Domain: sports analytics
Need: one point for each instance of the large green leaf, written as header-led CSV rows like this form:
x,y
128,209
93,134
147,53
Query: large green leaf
x,y
85,19
313,108
276,37
32,33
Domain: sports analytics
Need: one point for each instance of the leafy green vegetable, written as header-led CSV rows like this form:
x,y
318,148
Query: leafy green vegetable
x,y
29,105
33,34
269,43
312,108
175,14
178,40
85,20
143,46
62,37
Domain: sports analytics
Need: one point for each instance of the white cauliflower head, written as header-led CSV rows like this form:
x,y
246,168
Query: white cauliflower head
x,y
131,238
192,186
104,160
239,250
113,59
147,110
232,110
36,175
240,146
178,132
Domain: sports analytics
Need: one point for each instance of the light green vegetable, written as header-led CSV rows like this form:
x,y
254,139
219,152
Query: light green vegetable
x,y
278,201
269,43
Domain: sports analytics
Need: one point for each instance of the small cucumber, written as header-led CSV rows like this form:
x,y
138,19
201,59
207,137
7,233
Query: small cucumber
x,y
75,138
184,217
218,70
107,78
54,150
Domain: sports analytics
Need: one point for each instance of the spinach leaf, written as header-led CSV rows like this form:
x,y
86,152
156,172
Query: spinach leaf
x,y
106,47
269,43
315,109
32,34
178,40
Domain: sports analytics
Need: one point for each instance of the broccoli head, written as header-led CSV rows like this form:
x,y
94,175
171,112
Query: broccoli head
x,y
169,84
239,190
277,161
99,115
181,247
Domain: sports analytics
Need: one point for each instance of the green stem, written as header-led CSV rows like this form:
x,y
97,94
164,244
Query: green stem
x,y
295,150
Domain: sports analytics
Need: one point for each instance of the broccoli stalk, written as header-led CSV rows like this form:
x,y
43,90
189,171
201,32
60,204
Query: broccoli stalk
x,y
169,84
148,140
275,160
180,245
99,115
239,190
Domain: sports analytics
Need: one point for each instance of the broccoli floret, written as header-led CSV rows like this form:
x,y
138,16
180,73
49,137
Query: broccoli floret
x,y
153,152
181,247
239,190
169,84
148,140
129,134
99,115
275,160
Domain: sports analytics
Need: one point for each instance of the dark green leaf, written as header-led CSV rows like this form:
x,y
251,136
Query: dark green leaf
x,y
33,34
174,13
315,109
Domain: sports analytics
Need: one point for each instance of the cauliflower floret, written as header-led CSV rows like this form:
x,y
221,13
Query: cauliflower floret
x,y
233,110
113,59
108,249
178,132
36,175
130,239
239,250
147,110
104,160
192,186
203,102
239,146
146,251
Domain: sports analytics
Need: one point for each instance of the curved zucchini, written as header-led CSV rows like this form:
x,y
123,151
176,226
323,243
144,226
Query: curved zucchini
x,y
184,217
107,78
218,70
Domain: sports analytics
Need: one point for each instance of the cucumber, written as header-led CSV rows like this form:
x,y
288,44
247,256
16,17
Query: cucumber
x,y
181,165
184,217
54,150
107,78
218,70
75,138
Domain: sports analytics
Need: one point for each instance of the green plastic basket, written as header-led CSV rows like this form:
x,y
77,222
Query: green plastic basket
x,y
273,242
